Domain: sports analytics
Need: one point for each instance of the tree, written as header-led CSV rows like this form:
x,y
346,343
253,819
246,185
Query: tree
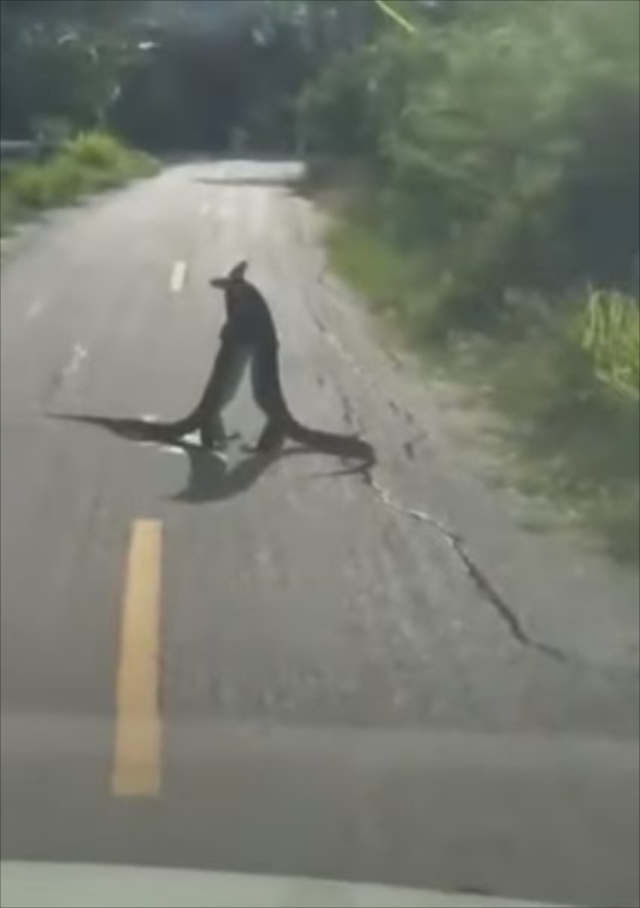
x,y
65,59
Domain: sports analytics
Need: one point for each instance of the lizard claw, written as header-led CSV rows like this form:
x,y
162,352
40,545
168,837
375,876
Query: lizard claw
x,y
219,443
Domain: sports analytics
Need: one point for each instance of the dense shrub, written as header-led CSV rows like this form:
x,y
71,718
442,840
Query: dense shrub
x,y
90,162
501,148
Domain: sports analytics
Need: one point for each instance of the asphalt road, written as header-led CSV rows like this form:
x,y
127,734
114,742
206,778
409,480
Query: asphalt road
x,y
251,665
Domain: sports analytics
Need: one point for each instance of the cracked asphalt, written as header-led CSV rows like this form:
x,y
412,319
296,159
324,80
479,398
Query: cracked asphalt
x,y
385,678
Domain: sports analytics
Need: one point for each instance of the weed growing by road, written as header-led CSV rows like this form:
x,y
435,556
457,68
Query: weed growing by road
x,y
568,385
88,163
496,153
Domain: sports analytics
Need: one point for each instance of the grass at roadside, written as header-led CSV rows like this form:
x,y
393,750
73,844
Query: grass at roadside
x,y
566,376
89,163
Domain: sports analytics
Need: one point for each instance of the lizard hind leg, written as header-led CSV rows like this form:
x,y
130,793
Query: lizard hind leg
x,y
228,369
213,435
270,441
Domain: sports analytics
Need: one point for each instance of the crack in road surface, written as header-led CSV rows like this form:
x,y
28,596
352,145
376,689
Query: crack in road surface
x,y
506,612
482,582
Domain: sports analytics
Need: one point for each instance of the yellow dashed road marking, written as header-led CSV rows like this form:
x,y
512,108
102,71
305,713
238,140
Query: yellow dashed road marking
x,y
137,752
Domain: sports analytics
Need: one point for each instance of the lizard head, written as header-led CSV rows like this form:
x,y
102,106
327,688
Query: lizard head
x,y
235,276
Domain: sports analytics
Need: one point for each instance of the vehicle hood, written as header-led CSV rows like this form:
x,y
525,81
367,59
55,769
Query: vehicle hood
x,y
26,884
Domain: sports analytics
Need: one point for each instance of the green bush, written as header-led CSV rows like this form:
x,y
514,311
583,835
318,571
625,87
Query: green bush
x,y
100,151
565,372
96,149
44,185
104,157
88,163
504,142
611,336
576,431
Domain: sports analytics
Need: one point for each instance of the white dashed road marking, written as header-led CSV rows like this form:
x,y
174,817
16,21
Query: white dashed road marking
x,y
178,275
79,353
34,309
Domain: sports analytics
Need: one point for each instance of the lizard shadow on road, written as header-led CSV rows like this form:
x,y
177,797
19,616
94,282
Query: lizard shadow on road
x,y
210,477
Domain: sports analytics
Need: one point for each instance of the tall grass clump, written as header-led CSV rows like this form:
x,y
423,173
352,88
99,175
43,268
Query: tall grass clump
x,y
87,163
